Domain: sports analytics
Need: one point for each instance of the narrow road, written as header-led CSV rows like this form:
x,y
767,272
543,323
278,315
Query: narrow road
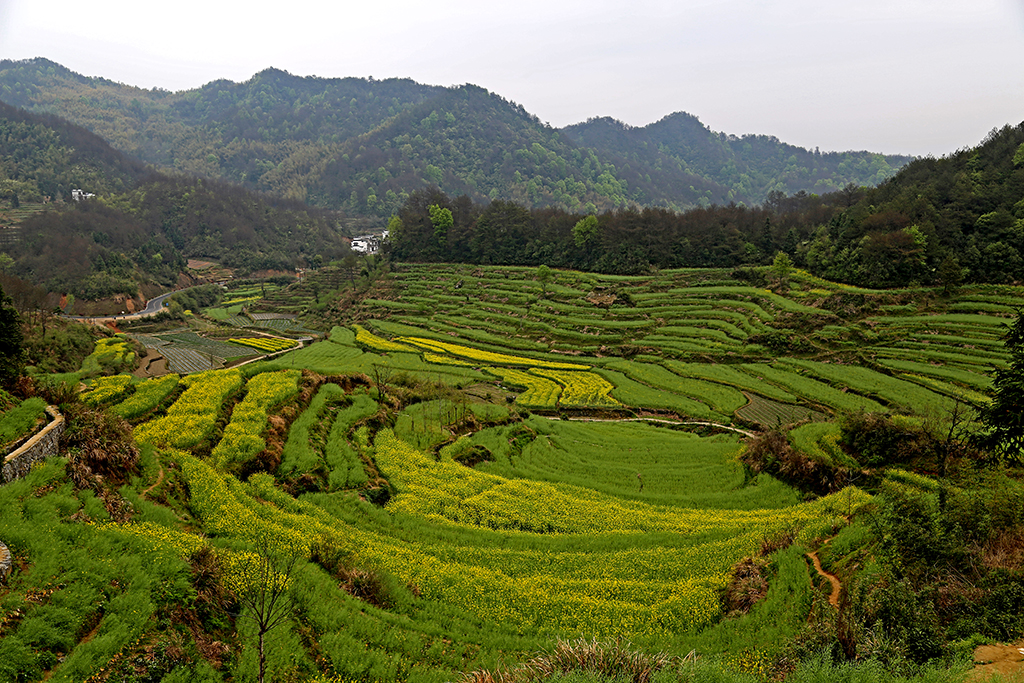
x,y
153,306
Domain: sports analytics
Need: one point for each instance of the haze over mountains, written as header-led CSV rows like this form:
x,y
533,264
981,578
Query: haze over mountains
x,y
362,145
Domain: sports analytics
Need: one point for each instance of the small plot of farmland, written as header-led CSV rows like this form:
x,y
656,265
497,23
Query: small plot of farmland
x,y
971,341
187,352
768,414
635,461
18,418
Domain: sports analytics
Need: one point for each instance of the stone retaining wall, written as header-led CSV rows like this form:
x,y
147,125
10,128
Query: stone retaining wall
x,y
6,563
41,446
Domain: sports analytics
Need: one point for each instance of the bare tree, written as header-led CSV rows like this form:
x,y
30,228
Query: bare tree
x,y
960,417
261,579
382,375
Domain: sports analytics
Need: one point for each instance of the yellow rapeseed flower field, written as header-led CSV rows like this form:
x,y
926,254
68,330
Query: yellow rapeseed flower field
x,y
487,356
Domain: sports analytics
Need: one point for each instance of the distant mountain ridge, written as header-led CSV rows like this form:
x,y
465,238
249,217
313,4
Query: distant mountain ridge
x,y
751,165
936,221
363,145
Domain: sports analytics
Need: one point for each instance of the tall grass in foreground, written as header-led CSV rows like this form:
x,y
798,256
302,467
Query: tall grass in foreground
x,y
584,661
44,617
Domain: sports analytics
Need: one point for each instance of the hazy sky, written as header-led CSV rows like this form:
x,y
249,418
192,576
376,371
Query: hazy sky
x,y
896,76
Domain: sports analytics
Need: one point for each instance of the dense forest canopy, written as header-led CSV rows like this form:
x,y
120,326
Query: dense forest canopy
x,y
106,246
363,145
45,156
750,166
937,221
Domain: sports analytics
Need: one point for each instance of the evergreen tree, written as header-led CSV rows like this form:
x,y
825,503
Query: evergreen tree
x,y
1004,417
12,355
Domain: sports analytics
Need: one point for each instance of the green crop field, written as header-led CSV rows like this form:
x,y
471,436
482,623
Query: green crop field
x,y
896,392
769,414
639,462
963,377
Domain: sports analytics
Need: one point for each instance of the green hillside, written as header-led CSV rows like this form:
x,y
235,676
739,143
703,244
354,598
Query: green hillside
x,y
140,226
960,217
363,145
46,157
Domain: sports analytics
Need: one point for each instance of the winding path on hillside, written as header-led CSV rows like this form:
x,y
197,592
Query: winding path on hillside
x,y
837,587
159,480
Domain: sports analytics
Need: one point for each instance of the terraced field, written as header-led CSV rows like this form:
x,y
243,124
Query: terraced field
x,y
700,343
508,463
566,529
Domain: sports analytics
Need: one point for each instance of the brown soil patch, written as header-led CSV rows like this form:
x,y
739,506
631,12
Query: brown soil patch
x,y
1002,660
602,300
153,365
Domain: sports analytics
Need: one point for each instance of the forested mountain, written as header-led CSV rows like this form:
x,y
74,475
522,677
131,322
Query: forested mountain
x,y
747,166
469,141
346,143
236,131
385,147
45,156
109,245
937,221
962,215
142,225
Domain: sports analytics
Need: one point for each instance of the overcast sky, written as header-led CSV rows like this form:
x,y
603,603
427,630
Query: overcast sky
x,y
896,76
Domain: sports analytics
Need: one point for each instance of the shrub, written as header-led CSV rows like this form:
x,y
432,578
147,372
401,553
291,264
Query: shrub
x,y
877,439
98,444
771,453
747,586
609,660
